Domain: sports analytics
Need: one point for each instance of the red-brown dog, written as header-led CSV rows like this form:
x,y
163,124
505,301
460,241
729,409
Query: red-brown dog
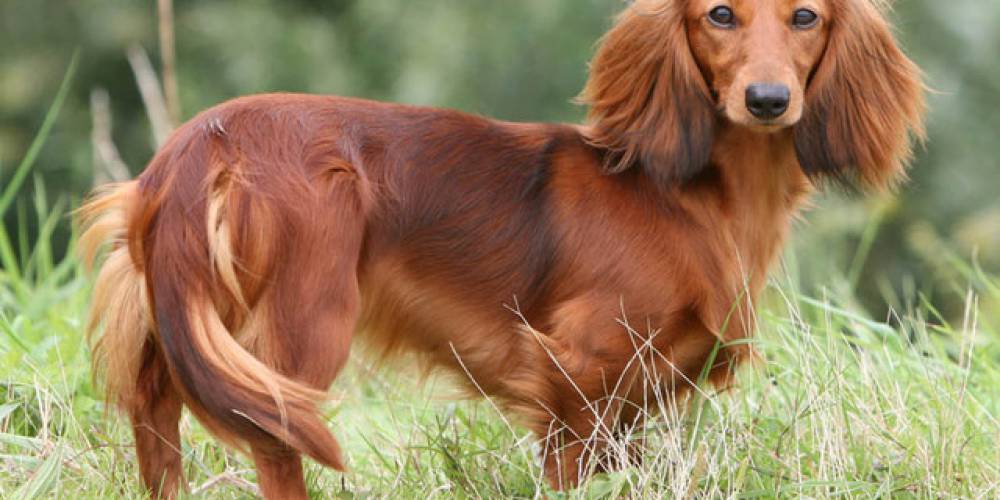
x,y
272,228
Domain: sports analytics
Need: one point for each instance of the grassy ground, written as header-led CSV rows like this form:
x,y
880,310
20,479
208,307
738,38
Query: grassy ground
x,y
841,405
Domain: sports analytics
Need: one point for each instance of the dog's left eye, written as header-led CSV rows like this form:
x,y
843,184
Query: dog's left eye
x,y
804,19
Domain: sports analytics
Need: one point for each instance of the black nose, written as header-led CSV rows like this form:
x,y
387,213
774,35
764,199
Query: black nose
x,y
767,101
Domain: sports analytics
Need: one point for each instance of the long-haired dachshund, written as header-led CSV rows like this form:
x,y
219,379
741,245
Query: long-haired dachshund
x,y
271,229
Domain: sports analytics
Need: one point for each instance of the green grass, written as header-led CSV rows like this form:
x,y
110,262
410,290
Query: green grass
x,y
842,404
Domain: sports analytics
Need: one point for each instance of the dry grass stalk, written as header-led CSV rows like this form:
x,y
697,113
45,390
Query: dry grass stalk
x,y
165,9
108,164
152,95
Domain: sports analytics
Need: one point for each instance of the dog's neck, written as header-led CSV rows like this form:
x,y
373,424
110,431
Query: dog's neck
x,y
760,188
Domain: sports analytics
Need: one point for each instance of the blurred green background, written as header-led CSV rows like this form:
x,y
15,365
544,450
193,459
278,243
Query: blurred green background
x,y
515,60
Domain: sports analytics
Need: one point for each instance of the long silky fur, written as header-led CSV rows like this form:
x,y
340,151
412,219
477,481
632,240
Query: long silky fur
x,y
649,105
864,106
242,400
119,298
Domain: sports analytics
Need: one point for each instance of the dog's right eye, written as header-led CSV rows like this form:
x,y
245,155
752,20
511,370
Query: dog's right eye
x,y
722,17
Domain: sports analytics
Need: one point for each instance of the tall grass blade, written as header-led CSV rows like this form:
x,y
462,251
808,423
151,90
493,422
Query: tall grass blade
x,y
7,409
44,479
22,170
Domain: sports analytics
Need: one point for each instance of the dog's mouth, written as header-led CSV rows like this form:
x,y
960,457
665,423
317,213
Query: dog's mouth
x,y
761,126
768,126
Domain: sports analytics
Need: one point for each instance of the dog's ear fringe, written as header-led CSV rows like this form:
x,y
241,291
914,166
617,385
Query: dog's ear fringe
x,y
865,105
649,104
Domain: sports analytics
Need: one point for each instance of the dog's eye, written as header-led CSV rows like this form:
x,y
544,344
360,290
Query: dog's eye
x,y
722,17
804,19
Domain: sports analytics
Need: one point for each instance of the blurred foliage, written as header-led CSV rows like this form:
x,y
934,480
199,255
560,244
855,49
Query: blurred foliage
x,y
511,59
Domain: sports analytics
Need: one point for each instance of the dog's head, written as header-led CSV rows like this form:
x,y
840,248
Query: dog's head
x,y
671,71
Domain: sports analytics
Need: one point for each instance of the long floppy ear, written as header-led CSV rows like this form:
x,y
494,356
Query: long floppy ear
x,y
649,104
864,103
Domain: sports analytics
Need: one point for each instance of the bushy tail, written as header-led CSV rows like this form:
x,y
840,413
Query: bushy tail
x,y
119,298
156,285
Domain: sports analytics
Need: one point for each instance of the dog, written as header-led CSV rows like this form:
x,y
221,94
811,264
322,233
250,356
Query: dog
x,y
272,229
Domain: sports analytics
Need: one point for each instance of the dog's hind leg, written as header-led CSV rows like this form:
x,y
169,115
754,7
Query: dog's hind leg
x,y
279,472
312,352
303,323
155,412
